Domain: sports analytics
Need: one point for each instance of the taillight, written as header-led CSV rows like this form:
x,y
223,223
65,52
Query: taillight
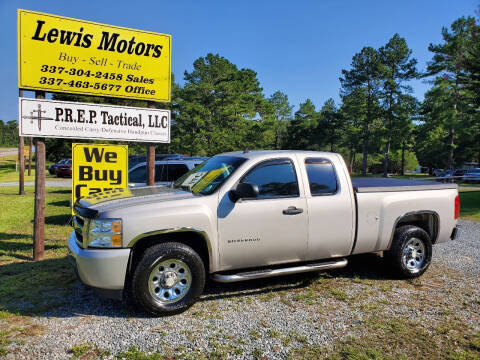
x,y
457,207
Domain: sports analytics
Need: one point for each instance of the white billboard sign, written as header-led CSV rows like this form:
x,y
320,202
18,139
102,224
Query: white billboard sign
x,y
64,119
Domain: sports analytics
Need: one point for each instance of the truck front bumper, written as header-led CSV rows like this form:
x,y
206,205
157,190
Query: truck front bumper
x,y
102,269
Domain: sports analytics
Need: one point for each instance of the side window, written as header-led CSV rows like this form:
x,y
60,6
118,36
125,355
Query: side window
x,y
321,176
139,175
159,172
169,172
274,179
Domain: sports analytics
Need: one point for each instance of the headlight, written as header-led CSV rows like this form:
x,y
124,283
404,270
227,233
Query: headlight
x,y
105,233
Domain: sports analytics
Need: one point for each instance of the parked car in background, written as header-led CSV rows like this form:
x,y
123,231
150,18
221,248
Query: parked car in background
x,y
52,168
137,159
454,175
166,171
472,175
437,172
458,175
65,169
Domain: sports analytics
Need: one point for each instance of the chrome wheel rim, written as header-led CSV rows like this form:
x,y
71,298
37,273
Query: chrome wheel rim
x,y
169,281
414,255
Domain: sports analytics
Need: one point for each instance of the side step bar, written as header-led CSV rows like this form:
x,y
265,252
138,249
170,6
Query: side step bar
x,y
250,275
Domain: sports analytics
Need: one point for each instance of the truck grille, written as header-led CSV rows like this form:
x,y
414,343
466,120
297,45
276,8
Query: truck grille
x,y
78,224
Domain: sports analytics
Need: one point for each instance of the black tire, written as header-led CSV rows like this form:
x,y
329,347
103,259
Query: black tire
x,y
149,299
409,266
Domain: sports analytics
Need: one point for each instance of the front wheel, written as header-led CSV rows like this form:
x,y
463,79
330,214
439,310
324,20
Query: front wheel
x,y
168,279
410,253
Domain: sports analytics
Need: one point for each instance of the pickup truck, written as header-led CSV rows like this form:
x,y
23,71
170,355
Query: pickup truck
x,y
249,215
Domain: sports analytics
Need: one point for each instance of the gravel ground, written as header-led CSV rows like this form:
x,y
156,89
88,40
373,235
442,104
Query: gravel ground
x,y
272,317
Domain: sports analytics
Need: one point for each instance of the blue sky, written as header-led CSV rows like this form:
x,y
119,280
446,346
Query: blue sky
x,y
298,47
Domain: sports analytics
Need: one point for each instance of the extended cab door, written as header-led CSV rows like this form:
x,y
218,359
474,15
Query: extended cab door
x,y
331,207
270,229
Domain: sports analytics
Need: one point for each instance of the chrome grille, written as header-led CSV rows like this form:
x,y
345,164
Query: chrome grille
x,y
78,224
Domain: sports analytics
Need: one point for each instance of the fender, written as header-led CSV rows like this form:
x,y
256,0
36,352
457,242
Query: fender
x,y
200,232
435,226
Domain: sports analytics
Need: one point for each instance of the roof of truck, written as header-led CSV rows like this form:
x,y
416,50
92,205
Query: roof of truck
x,y
250,154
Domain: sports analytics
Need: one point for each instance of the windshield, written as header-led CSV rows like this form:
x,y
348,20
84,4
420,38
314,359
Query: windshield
x,y
208,176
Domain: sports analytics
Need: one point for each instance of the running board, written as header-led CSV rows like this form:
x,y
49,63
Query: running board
x,y
250,275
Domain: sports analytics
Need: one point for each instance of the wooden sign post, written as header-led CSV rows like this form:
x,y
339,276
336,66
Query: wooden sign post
x,y
30,156
151,158
21,159
39,215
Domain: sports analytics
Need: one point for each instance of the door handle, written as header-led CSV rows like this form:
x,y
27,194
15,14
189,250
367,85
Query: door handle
x,y
292,210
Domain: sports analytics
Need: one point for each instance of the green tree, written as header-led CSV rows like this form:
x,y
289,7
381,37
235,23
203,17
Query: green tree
x,y
282,112
469,79
403,134
397,67
301,130
216,107
432,132
9,133
330,125
365,73
353,113
446,65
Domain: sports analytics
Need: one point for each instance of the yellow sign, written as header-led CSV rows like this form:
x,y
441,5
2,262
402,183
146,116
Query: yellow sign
x,y
114,194
76,56
97,168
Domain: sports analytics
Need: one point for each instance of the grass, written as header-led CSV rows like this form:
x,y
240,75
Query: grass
x,y
29,288
87,351
8,172
470,205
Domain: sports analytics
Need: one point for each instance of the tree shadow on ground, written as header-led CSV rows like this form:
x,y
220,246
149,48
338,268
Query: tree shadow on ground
x,y
63,219
7,236
9,248
62,203
56,291
66,191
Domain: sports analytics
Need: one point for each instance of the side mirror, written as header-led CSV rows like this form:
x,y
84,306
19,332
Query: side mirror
x,y
243,191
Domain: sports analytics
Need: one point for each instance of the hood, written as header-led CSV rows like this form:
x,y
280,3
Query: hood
x,y
91,205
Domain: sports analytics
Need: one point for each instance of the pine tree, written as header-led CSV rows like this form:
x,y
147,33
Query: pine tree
x,y
365,73
397,67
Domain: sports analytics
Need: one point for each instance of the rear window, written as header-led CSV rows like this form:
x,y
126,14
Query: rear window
x,y
139,175
321,176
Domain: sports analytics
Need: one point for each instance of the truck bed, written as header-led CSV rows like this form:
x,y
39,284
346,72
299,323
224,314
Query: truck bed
x,y
369,185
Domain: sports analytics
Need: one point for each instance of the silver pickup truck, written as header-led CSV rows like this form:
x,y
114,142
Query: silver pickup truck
x,y
248,215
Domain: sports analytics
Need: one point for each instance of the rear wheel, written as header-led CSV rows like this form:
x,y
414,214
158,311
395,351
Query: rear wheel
x,y
168,279
410,253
